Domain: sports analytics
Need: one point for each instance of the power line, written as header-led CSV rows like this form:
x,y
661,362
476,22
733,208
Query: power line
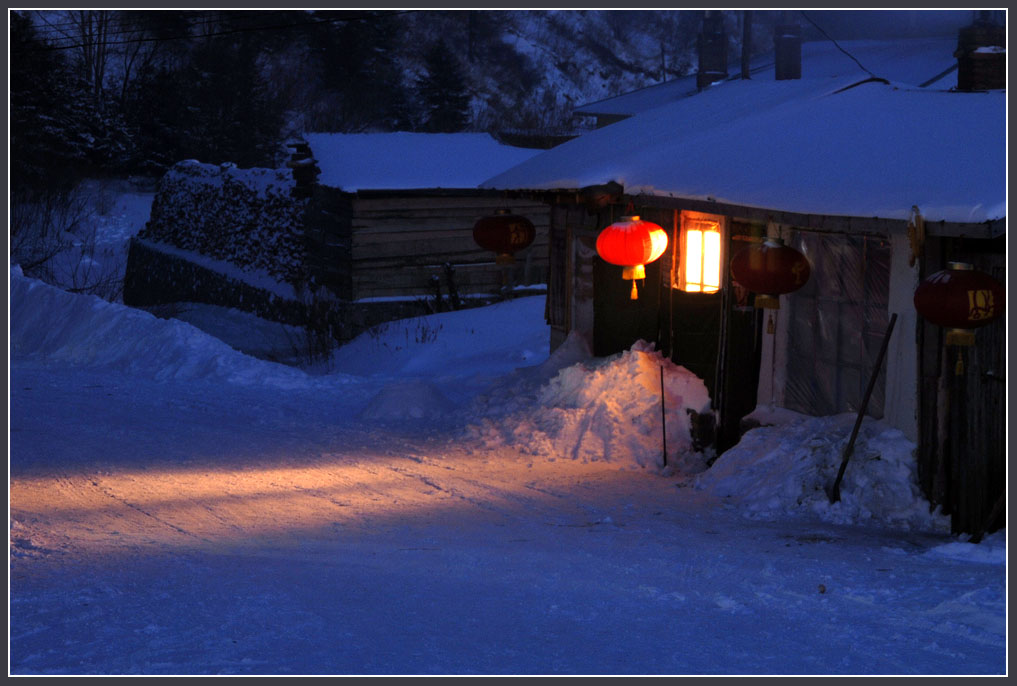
x,y
226,32
124,27
820,28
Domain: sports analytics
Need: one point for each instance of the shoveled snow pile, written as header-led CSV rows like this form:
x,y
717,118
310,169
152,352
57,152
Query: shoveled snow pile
x,y
783,470
50,324
600,410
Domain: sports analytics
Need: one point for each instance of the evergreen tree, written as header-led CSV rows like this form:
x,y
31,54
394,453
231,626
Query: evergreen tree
x,y
50,137
215,109
442,91
356,64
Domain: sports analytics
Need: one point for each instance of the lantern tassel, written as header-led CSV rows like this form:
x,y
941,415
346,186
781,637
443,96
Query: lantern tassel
x,y
958,369
634,295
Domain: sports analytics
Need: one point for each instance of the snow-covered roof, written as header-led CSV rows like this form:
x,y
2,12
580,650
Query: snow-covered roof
x,y
383,161
813,145
916,62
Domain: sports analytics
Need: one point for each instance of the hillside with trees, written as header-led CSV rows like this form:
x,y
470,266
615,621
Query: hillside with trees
x,y
99,92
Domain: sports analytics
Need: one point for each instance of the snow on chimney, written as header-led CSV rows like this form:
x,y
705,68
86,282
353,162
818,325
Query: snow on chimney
x,y
981,56
712,50
304,166
787,44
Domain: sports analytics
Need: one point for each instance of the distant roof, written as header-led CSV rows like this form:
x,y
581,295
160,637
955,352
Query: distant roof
x,y
817,146
384,161
914,61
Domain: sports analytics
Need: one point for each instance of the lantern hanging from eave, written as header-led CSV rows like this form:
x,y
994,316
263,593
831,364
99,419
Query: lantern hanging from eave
x,y
632,243
960,298
770,269
504,234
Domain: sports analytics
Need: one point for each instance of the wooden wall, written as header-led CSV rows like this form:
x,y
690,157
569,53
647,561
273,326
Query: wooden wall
x,y
401,239
962,448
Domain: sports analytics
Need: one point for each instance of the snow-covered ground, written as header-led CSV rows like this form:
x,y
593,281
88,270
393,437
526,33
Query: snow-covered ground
x,y
450,498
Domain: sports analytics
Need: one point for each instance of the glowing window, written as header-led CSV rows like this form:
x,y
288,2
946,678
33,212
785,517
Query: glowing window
x,y
699,270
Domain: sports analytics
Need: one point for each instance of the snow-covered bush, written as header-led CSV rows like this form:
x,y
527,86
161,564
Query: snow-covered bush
x,y
53,238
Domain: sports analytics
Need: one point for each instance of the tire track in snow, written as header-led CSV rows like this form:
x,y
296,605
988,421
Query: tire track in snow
x,y
126,503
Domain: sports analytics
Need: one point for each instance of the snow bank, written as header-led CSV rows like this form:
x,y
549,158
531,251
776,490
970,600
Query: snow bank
x,y
488,341
776,471
51,325
991,550
598,410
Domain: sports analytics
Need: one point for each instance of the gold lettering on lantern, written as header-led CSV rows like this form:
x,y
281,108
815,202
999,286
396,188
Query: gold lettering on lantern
x,y
797,271
517,235
980,305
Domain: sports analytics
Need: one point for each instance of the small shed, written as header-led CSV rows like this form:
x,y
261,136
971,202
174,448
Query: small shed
x,y
399,210
879,183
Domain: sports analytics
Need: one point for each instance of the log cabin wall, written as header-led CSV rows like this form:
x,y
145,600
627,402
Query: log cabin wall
x,y
401,240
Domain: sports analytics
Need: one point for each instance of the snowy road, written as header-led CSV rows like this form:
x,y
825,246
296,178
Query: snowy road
x,y
178,507
175,528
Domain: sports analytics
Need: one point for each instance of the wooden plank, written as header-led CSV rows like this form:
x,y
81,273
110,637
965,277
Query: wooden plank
x,y
828,223
411,232
444,222
449,210
379,266
402,203
416,248
421,275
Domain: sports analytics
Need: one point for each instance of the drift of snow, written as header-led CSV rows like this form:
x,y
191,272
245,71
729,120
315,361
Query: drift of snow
x,y
49,325
786,469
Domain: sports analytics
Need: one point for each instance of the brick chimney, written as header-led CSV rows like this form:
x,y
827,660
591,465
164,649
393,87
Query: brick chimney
x,y
712,50
981,56
787,45
304,166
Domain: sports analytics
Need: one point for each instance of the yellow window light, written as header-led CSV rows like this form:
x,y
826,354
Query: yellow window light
x,y
702,258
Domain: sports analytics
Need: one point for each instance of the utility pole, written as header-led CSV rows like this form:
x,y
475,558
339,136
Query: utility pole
x,y
746,42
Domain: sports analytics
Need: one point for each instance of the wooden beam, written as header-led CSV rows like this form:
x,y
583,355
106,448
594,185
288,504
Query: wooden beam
x,y
812,222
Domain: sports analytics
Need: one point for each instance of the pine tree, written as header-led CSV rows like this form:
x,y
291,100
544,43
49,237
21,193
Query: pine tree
x,y
442,91
50,136
215,109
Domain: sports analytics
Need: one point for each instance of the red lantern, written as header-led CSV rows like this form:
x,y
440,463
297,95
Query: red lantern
x,y
960,298
504,234
770,269
632,243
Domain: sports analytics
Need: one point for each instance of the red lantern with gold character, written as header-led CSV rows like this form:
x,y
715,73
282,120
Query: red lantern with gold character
x,y
960,298
770,269
504,234
632,243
